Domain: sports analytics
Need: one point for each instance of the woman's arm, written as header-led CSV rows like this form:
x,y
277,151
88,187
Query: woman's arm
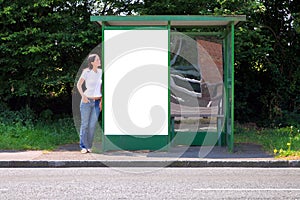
x,y
79,87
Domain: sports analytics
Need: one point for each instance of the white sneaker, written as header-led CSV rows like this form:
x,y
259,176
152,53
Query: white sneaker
x,y
83,151
89,150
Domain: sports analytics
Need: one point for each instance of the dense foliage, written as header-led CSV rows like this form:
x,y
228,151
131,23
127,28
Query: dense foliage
x,y
43,43
267,65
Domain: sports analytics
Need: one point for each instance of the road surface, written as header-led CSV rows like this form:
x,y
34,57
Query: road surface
x,y
149,183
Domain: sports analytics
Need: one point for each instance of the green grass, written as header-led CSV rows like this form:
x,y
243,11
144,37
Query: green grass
x,y
38,136
282,142
49,135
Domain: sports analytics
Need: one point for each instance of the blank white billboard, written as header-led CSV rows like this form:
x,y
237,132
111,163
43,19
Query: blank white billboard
x,y
136,82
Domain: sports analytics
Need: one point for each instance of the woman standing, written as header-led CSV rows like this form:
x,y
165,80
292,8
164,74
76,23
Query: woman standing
x,y
91,101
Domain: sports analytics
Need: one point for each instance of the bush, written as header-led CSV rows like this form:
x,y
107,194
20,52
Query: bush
x,y
22,129
25,116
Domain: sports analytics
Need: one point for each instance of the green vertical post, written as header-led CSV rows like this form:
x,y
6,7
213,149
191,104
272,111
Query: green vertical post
x,y
229,85
102,112
231,145
229,90
169,90
226,97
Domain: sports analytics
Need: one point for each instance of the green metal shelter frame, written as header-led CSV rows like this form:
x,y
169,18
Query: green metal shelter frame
x,y
224,23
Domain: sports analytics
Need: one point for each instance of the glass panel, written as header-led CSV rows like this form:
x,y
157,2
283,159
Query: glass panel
x,y
196,83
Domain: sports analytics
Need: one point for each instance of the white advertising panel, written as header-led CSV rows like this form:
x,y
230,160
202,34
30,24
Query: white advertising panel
x,y
136,82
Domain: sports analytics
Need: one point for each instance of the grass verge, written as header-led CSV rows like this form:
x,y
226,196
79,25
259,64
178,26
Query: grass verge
x,y
38,136
281,142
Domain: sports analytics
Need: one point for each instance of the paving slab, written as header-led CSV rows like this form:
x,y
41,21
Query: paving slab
x,y
19,155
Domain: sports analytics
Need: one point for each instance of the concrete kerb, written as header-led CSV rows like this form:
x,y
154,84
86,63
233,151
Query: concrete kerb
x,y
237,163
178,163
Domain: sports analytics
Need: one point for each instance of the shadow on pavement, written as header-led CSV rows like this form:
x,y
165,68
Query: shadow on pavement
x,y
241,150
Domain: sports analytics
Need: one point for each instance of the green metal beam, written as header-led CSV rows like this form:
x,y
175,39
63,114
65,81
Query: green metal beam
x,y
136,27
219,34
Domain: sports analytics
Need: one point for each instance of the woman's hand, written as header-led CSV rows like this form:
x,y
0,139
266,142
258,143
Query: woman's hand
x,y
85,99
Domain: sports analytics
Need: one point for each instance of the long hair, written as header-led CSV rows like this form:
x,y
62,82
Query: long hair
x,y
91,59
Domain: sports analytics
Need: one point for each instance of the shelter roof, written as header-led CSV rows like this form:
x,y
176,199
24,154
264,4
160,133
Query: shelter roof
x,y
173,20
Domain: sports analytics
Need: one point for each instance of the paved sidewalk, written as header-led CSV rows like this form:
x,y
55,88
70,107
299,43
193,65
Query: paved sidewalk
x,y
245,155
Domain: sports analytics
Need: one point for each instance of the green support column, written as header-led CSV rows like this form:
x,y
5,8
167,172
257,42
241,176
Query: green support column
x,y
171,122
226,87
103,99
229,86
231,145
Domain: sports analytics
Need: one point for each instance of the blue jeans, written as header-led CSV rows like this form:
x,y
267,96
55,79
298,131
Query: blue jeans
x,y
89,118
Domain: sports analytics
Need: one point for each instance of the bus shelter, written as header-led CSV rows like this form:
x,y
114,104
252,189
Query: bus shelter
x,y
167,80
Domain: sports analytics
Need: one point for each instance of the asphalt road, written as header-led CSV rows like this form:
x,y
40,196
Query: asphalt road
x,y
149,183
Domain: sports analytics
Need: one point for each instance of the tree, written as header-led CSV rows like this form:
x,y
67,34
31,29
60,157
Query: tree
x,y
268,63
43,44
